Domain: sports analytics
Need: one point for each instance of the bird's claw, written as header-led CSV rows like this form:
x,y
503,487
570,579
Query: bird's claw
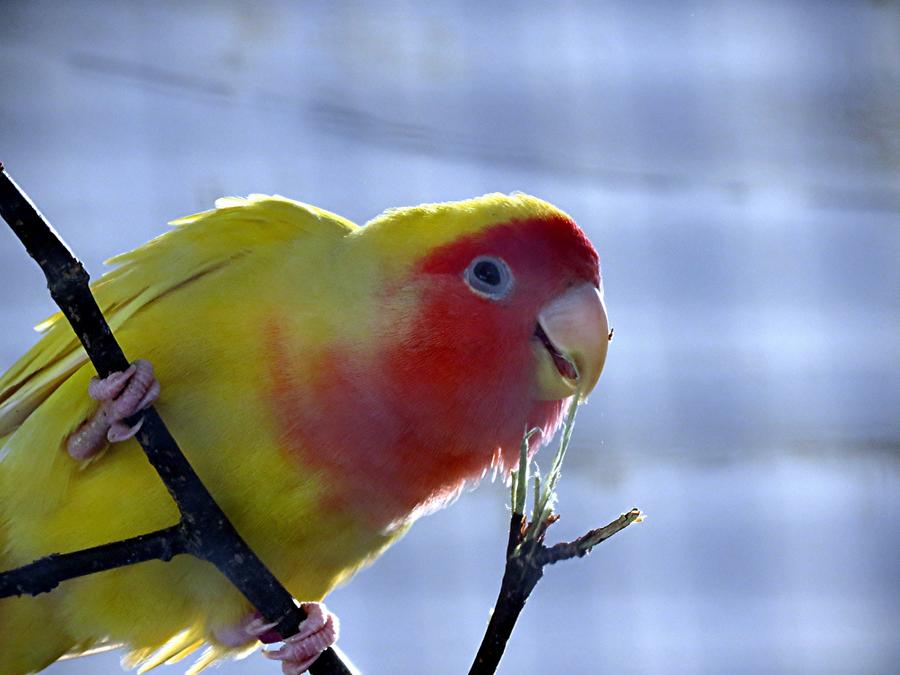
x,y
316,633
127,392
121,394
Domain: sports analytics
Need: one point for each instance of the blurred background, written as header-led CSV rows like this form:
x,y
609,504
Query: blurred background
x,y
736,165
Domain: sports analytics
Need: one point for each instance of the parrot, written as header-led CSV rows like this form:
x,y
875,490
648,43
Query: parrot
x,y
330,383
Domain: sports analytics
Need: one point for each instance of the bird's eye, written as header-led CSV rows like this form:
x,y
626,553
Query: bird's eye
x,y
489,276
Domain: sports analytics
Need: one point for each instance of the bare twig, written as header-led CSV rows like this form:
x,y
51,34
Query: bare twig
x,y
204,531
526,554
45,574
583,545
524,568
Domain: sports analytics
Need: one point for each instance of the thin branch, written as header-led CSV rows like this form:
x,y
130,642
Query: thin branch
x,y
204,531
583,545
45,574
519,579
524,568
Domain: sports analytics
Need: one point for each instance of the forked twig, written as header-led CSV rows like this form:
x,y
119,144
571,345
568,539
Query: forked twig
x,y
526,554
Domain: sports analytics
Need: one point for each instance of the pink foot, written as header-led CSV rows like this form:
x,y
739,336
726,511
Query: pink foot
x,y
316,634
122,395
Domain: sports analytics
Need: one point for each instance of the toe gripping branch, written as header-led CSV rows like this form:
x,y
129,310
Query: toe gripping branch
x,y
203,531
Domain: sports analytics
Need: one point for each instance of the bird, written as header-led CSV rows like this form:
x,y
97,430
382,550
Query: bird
x,y
330,383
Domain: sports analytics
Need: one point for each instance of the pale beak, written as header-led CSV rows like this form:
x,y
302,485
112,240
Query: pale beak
x,y
572,336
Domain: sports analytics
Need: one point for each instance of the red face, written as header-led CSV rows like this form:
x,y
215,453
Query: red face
x,y
483,298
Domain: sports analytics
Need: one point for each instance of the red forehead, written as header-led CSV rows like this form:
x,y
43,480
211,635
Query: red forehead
x,y
553,243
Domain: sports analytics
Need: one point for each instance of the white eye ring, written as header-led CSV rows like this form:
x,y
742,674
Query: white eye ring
x,y
489,277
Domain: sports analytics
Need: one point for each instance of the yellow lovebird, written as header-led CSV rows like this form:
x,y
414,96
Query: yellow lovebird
x,y
330,383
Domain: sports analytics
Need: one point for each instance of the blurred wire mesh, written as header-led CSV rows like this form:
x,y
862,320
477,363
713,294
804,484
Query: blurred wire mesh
x,y
736,165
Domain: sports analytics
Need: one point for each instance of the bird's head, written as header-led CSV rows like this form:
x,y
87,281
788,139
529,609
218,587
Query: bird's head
x,y
501,291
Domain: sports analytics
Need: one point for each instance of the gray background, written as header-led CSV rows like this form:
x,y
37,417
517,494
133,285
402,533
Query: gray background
x,y
736,165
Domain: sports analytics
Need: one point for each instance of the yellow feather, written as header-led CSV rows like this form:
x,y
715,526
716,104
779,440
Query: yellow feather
x,y
399,236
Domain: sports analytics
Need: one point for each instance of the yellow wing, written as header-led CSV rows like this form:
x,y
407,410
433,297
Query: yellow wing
x,y
172,260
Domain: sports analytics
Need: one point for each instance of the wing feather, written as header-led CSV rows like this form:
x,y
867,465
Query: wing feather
x,y
196,246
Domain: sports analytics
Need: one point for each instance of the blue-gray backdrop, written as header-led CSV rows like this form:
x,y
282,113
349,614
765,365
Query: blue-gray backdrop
x,y
736,165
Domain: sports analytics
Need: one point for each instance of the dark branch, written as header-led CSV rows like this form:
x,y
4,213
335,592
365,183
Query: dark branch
x,y
45,574
519,579
203,531
525,562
